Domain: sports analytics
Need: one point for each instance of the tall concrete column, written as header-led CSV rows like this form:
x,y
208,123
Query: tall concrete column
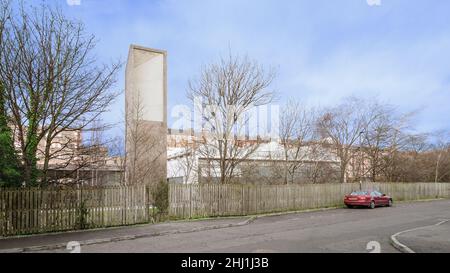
x,y
146,115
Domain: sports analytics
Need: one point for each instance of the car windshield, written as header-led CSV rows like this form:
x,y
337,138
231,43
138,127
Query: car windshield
x,y
359,193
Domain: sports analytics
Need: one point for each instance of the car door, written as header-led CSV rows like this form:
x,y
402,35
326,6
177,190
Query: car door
x,y
375,198
382,200
385,199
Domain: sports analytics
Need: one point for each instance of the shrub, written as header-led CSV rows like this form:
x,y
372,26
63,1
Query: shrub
x,y
160,196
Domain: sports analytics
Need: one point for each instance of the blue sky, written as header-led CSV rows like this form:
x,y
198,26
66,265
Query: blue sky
x,y
323,50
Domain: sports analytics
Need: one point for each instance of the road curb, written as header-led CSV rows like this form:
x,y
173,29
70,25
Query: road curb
x,y
404,248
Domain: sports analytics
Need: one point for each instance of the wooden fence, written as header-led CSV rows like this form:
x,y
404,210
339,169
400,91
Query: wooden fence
x,y
211,200
28,211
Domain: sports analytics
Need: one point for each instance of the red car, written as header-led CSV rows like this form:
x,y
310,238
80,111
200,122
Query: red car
x,y
371,199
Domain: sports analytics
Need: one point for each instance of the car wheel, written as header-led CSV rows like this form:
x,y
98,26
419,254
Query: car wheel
x,y
372,205
349,206
390,203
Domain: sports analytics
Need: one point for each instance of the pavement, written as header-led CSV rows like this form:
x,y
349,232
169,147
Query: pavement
x,y
329,231
89,237
428,239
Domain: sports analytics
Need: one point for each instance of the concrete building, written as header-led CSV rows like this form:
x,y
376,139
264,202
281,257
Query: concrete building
x,y
314,163
72,160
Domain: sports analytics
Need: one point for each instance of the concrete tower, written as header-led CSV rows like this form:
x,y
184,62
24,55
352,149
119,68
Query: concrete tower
x,y
146,115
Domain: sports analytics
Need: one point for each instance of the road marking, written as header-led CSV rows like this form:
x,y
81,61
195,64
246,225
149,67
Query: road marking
x,y
405,248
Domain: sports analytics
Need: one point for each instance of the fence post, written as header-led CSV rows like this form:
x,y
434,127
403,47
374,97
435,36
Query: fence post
x,y
276,198
146,201
242,199
190,201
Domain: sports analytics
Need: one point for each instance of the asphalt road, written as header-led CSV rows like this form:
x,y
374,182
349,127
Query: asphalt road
x,y
341,230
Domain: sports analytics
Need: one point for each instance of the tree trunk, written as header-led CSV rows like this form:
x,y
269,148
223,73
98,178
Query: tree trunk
x,y
436,177
343,172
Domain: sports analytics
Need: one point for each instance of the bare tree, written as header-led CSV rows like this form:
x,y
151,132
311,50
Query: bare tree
x,y
382,138
229,89
144,150
93,155
411,163
189,164
398,142
441,151
296,134
117,151
343,125
52,81
77,162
